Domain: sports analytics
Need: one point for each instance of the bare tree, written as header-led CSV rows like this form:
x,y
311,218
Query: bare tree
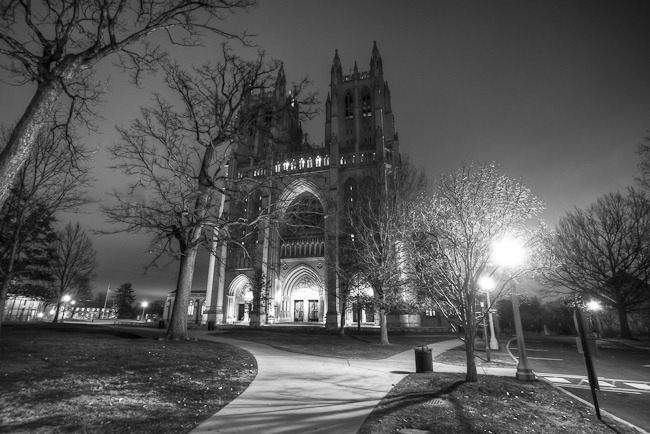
x,y
73,264
48,183
377,220
179,152
603,252
342,260
451,241
56,45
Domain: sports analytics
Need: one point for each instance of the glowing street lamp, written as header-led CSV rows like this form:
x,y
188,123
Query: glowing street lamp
x,y
488,284
144,306
595,306
510,253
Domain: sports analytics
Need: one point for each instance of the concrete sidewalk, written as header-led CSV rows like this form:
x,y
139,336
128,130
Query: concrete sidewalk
x,y
298,393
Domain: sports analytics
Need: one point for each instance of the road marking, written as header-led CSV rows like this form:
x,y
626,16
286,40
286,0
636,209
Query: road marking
x,y
544,358
604,383
640,386
533,349
614,390
558,380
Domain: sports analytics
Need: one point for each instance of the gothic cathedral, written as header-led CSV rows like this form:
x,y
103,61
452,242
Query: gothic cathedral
x,y
293,258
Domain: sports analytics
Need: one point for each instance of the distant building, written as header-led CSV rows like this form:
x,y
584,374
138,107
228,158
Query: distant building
x,y
20,308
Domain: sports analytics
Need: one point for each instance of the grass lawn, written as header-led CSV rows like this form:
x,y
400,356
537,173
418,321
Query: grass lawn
x,y
67,378
444,403
73,378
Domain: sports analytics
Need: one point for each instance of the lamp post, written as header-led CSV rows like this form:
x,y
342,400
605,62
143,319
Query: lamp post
x,y
510,253
524,373
144,306
488,284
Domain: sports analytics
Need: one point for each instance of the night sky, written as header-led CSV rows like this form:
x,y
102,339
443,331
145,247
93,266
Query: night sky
x,y
557,92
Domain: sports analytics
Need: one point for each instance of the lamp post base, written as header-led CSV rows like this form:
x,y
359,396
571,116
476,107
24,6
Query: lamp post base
x,y
525,375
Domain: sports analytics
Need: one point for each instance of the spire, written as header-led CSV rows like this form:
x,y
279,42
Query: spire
x,y
387,104
356,70
337,70
328,108
375,61
281,80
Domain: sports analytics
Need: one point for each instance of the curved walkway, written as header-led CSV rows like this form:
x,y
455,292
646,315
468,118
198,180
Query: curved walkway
x,y
298,393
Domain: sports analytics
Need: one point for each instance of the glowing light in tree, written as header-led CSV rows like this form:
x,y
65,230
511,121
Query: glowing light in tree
x,y
508,252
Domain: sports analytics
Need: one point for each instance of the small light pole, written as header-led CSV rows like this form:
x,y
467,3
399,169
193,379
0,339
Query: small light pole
x,y
488,284
144,306
106,301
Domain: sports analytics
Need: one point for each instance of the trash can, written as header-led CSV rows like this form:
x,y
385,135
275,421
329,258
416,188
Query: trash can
x,y
210,325
423,360
161,324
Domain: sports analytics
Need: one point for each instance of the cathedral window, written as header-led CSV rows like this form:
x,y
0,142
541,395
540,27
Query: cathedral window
x,y
318,161
366,110
349,105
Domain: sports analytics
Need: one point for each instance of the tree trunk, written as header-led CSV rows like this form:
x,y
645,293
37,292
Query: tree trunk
x,y
343,307
56,315
626,333
383,320
358,317
3,300
178,324
471,375
23,136
8,272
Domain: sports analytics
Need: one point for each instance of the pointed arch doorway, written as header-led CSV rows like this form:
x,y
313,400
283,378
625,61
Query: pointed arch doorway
x,y
240,299
303,299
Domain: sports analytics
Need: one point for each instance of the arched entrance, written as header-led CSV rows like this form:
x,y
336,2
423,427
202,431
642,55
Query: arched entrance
x,y
303,297
240,299
361,303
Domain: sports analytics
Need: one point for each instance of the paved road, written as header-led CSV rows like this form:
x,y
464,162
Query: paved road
x,y
623,372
